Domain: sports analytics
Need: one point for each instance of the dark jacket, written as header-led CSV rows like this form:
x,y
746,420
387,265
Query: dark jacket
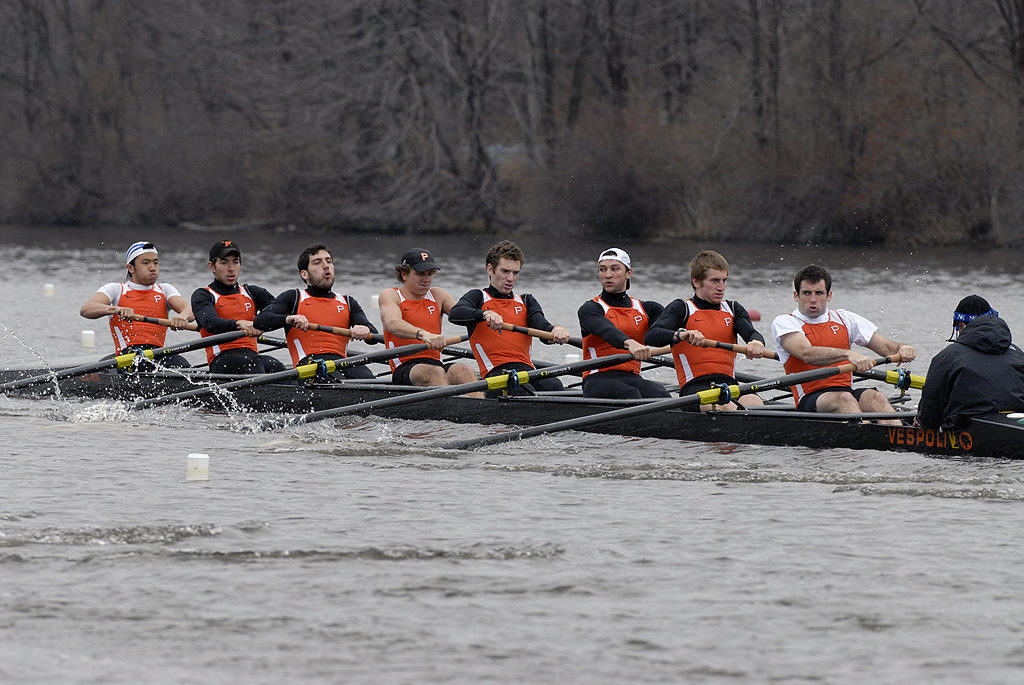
x,y
981,373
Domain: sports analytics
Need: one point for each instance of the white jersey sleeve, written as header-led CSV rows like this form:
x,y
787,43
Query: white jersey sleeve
x,y
784,324
112,291
169,290
860,328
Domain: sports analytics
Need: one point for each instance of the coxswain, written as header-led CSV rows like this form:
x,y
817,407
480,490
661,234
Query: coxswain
x,y
294,310
412,314
981,372
484,312
612,322
226,305
140,295
813,336
707,315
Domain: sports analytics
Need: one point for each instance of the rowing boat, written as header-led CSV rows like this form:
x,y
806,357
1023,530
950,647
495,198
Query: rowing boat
x,y
1000,435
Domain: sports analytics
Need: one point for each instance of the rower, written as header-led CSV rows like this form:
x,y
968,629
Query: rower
x,y
294,310
614,321
411,314
227,305
813,336
140,295
497,351
686,324
982,372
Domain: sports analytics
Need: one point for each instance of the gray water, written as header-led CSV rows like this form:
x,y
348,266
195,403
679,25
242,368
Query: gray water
x,y
356,552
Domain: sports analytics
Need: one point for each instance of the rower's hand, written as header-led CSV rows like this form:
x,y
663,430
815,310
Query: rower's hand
x,y
863,363
297,321
250,330
907,353
493,320
125,313
179,322
639,351
559,335
435,341
755,349
360,332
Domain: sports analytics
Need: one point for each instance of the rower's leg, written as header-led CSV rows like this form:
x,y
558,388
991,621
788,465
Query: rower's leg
x,y
463,373
428,374
873,400
750,401
837,403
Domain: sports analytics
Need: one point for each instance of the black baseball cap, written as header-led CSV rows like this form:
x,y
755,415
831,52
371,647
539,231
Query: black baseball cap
x,y
223,249
420,260
971,307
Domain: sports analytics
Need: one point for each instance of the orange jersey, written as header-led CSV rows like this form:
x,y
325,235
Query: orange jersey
x,y
238,306
632,321
830,333
493,348
425,314
715,324
145,302
325,311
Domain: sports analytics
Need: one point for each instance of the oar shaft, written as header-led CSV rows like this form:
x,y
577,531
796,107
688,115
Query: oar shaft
x,y
124,360
711,396
537,333
164,322
738,349
299,372
492,383
373,338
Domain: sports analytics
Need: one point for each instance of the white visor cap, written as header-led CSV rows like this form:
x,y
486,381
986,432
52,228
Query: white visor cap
x,y
615,253
137,249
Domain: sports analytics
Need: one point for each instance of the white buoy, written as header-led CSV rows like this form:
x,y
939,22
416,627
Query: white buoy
x,y
49,289
88,338
1016,416
198,467
376,304
572,357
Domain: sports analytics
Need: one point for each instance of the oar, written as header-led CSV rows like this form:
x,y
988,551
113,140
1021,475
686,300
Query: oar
x,y
373,338
717,395
265,339
299,372
492,383
124,360
537,333
738,349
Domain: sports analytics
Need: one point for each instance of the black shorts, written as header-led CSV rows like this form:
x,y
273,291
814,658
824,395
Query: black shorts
x,y
531,388
351,372
621,385
809,401
400,376
242,360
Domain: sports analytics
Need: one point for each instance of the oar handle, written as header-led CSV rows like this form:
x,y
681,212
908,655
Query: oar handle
x,y
373,338
738,349
163,322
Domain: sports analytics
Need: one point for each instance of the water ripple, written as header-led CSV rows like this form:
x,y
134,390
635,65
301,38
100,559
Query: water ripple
x,y
129,535
375,553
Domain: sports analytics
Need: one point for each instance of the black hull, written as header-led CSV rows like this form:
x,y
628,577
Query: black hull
x,y
992,436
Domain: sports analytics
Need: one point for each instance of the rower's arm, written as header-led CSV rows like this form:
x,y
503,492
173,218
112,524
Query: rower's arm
x,y
206,313
662,331
885,347
275,315
593,320
797,345
467,311
98,306
391,316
